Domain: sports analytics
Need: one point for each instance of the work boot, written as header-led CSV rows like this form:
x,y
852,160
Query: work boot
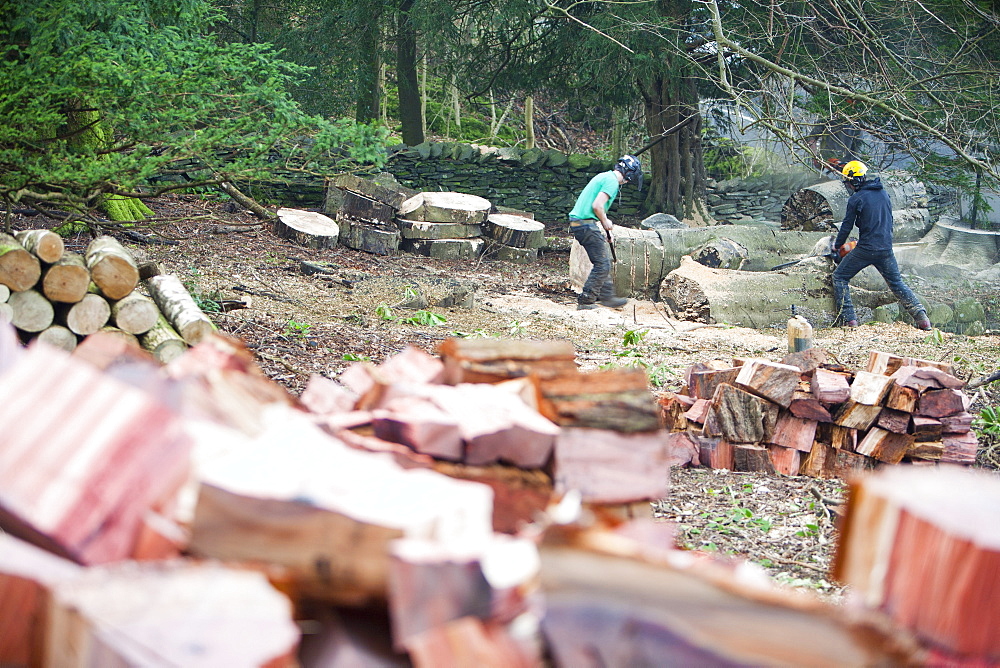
x,y
851,323
922,321
613,302
585,306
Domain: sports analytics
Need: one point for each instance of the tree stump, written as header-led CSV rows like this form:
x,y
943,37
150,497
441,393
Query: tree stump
x,y
446,207
516,231
306,228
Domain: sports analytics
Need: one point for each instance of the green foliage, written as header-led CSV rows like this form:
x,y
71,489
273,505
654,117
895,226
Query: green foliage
x,y
354,357
207,302
425,319
385,312
98,96
296,330
634,337
988,422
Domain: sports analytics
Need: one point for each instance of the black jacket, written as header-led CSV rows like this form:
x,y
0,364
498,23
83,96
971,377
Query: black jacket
x,y
870,209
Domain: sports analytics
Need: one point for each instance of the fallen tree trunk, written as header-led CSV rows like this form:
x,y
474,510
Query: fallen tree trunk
x,y
822,207
179,308
163,342
757,299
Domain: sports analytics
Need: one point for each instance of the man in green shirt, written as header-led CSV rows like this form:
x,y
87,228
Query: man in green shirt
x,y
591,227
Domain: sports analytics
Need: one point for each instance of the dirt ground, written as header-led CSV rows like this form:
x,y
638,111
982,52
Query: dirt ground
x,y
369,307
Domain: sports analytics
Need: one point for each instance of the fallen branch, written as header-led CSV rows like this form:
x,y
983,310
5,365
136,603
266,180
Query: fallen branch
x,y
247,202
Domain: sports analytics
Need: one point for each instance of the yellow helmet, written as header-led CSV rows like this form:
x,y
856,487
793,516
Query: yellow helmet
x,y
854,173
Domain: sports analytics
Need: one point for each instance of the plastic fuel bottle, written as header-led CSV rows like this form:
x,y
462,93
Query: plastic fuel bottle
x,y
800,333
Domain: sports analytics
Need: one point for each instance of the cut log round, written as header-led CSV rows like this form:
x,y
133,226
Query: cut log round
x,y
360,236
6,312
135,313
58,336
721,253
179,308
114,331
67,279
111,267
421,229
366,208
163,342
446,207
444,249
392,194
822,206
306,228
4,293
757,299
31,311
46,245
87,315
19,269
516,231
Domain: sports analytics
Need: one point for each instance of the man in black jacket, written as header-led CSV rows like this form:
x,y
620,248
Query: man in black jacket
x,y
870,210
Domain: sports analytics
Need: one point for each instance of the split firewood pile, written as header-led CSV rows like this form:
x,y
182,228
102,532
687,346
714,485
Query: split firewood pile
x,y
805,416
477,508
60,297
388,218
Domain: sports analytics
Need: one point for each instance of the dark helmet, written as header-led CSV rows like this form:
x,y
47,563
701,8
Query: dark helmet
x,y
631,169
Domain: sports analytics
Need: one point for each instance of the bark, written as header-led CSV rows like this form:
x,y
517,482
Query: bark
x,y
444,249
179,308
111,267
418,229
358,235
163,342
366,208
406,74
388,193
19,269
369,80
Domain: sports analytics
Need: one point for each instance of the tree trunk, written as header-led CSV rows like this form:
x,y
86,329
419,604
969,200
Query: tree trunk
x,y
369,69
406,74
529,122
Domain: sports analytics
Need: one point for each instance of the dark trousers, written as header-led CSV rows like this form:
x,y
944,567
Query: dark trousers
x,y
599,283
885,263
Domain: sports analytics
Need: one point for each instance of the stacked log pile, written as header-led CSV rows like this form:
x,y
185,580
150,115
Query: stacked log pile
x,y
473,508
805,416
60,297
920,546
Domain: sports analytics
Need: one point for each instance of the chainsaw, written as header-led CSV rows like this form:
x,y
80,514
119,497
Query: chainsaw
x,y
837,255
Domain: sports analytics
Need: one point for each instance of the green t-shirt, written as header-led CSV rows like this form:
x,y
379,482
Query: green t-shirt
x,y
605,182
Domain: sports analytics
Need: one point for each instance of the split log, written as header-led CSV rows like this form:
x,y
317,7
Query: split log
x,y
830,387
807,360
30,310
445,207
111,267
27,575
793,432
392,194
930,451
754,298
366,208
752,458
959,423
85,316
960,448
854,415
444,249
135,313
615,399
495,360
885,446
79,486
716,453
133,615
366,237
306,228
519,496
903,399
926,429
770,380
330,523
941,403
419,229
516,231
606,606
702,384
806,406
163,342
941,514
611,467
819,462
742,417
672,410
46,245
870,388
19,269
888,364
67,280
699,411
898,422
411,365
418,423
179,307
786,461
925,378
58,337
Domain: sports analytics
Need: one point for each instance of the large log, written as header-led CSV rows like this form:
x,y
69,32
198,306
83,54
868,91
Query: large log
x,y
823,206
757,299
30,311
444,249
170,614
516,231
58,337
67,279
19,269
392,194
111,267
419,229
363,236
46,245
445,207
306,228
135,313
85,316
366,208
741,417
179,307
